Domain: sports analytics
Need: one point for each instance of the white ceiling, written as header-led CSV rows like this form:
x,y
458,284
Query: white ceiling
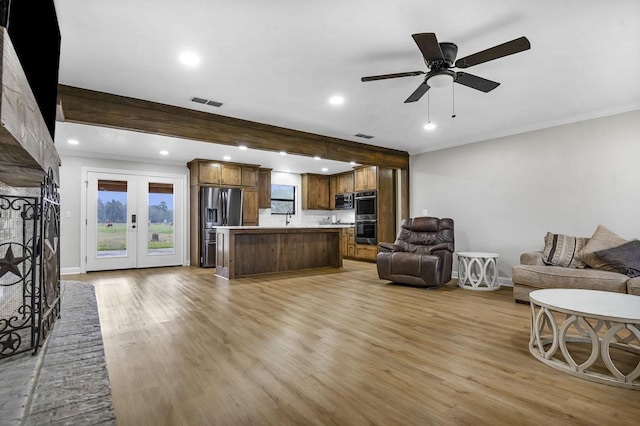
x,y
278,62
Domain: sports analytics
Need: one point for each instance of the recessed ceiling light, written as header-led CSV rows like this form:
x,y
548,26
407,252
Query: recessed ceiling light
x,y
164,152
242,147
336,100
324,169
189,59
73,142
316,158
226,157
283,152
429,126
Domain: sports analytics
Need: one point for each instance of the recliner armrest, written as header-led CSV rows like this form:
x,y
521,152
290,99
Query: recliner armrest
x,y
441,246
389,247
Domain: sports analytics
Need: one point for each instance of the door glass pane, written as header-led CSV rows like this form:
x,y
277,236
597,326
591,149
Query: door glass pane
x,y
112,218
161,219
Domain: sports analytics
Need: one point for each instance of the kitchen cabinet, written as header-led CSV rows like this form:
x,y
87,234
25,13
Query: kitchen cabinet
x,y
315,192
209,173
217,173
333,186
366,252
348,243
365,178
264,188
344,183
250,212
249,176
231,175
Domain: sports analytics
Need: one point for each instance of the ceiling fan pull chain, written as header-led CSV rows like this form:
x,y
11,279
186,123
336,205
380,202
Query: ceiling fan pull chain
x,y
453,100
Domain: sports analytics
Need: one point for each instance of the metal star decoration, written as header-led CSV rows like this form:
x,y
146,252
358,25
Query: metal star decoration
x,y
10,263
8,342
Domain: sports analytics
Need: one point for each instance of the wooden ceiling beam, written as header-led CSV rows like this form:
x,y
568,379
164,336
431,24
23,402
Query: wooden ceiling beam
x,y
108,110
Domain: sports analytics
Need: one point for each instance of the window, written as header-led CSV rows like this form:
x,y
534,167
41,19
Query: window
x,y
283,199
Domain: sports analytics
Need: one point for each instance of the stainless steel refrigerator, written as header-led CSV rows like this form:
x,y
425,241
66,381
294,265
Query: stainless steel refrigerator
x,y
218,207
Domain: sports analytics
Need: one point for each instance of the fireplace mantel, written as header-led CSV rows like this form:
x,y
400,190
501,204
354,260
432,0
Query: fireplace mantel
x,y
27,150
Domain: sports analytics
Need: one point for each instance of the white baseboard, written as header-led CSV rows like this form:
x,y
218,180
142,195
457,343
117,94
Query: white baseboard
x,y
70,271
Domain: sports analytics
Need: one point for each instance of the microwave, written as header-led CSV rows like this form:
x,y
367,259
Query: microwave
x,y
344,201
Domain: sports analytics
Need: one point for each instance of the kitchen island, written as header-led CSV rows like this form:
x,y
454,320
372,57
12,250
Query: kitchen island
x,y
251,250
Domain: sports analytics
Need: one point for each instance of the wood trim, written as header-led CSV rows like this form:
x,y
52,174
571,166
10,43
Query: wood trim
x,y
104,109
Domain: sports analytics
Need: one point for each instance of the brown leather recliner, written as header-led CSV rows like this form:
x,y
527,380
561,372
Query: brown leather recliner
x,y
421,255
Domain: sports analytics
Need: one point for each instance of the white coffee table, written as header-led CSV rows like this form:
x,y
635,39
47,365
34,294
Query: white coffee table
x,y
602,319
478,270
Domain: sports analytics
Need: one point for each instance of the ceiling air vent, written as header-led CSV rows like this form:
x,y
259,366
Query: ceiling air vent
x,y
206,102
361,135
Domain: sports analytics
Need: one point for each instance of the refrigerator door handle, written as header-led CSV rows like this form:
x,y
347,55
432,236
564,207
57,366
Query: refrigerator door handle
x,y
224,208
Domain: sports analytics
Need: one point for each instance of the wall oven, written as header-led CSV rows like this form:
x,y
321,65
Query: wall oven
x,y
366,231
365,204
366,217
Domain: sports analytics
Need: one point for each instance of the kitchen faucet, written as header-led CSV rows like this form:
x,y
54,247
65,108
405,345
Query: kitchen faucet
x,y
287,218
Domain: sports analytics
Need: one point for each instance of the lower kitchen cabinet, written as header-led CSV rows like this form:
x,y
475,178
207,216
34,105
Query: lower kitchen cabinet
x,y
348,243
366,252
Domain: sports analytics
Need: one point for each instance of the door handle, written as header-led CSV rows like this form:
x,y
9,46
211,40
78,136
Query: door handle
x,y
133,220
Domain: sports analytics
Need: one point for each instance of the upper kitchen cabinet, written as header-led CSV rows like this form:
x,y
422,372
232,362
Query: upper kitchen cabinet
x,y
344,183
231,175
249,176
207,172
315,192
365,178
264,188
250,212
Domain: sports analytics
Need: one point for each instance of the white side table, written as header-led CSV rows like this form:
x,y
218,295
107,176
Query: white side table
x,y
478,270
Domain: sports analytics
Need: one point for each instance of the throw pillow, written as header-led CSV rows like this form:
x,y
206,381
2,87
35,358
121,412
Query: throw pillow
x,y
561,250
601,239
625,258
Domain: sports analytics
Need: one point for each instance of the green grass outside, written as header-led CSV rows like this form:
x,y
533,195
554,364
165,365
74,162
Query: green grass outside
x,y
114,237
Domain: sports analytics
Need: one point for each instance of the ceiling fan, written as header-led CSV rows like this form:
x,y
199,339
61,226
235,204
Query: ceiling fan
x,y
441,58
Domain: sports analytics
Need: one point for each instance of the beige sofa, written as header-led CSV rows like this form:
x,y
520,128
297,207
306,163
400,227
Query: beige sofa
x,y
533,274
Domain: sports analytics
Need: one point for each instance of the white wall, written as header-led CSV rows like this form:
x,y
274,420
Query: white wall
x,y
70,202
505,194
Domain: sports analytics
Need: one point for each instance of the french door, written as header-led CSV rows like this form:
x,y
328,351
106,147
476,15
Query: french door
x,y
133,221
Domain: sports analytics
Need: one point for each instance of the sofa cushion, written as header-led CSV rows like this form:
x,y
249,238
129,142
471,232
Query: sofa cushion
x,y
561,250
560,277
624,259
601,239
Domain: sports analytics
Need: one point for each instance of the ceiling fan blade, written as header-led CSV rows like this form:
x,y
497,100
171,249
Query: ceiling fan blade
x,y
385,76
499,51
417,94
475,82
429,46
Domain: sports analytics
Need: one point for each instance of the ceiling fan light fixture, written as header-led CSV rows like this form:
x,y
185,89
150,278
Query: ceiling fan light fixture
x,y
443,78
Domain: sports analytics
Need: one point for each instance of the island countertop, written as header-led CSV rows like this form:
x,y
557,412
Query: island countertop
x,y
295,227
250,250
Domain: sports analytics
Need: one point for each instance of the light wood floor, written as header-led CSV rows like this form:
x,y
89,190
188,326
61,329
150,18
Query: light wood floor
x,y
330,347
